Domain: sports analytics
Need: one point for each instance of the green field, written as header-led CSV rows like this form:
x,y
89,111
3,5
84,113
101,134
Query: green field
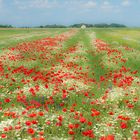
x,y
10,37
70,84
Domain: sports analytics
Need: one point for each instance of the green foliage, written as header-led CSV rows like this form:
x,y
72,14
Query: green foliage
x,y
79,25
112,25
53,26
6,26
100,25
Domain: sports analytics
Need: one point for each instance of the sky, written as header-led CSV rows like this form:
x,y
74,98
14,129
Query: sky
x,y
67,12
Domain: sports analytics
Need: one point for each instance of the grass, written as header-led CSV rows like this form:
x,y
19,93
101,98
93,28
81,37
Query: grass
x,y
125,37
13,36
119,38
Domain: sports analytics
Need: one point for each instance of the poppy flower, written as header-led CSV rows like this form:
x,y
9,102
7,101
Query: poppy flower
x,y
109,137
71,126
136,132
46,86
70,132
41,133
28,123
82,120
3,136
7,100
123,125
31,131
41,113
34,122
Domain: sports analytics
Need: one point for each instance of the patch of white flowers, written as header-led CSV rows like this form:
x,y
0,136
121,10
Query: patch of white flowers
x,y
116,94
5,123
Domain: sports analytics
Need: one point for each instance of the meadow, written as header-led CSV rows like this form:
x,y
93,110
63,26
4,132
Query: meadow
x,y
70,84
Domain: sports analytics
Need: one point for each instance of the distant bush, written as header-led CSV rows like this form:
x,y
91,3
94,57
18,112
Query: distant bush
x,y
101,25
53,26
79,25
6,26
116,25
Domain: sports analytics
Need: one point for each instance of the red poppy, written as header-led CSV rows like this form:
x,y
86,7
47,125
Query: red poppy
x,y
41,138
136,132
89,123
88,133
41,113
109,137
7,100
102,78
60,118
46,86
64,110
71,132
41,133
82,120
28,123
31,131
123,125
71,126
3,136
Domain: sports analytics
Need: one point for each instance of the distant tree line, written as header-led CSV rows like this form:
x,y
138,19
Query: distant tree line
x,y
53,26
79,25
100,25
104,25
6,26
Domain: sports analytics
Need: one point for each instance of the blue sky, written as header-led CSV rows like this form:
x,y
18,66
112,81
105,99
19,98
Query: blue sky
x,y
42,12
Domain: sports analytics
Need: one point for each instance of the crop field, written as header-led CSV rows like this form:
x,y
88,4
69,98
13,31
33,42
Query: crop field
x,y
70,84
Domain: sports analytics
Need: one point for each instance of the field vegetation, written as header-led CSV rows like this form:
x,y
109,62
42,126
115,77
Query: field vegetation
x,y
70,84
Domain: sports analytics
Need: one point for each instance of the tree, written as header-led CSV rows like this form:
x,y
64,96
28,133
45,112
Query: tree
x,y
6,26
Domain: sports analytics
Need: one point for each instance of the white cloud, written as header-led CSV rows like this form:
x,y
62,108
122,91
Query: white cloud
x,y
126,3
81,5
90,4
107,6
34,4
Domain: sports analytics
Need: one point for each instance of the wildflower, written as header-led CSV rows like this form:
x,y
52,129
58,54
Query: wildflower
x,y
71,132
31,131
34,122
48,122
60,118
46,86
71,126
109,137
111,113
64,110
89,123
88,133
82,120
41,133
41,113
95,113
123,125
3,136
41,138
28,123
7,100
136,132
102,78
